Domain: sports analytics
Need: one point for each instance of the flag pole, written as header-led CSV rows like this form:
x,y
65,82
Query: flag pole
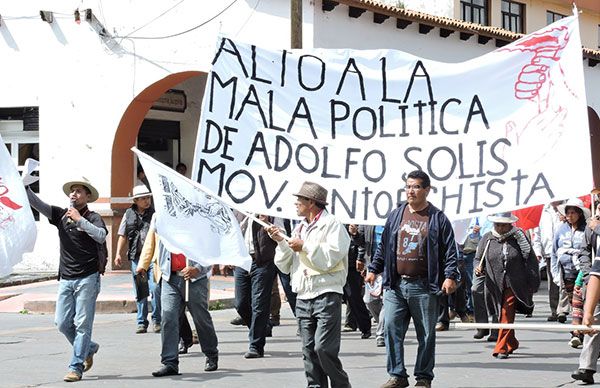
x,y
187,283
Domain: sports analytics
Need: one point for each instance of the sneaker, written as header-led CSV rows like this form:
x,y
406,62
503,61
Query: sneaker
x,y
396,382
348,328
254,353
72,376
89,361
380,341
211,364
423,383
156,327
141,329
441,327
562,318
165,371
575,342
237,321
585,375
481,333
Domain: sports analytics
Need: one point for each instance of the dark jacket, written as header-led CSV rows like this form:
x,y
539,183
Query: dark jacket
x,y
136,229
442,254
264,246
356,242
514,271
365,251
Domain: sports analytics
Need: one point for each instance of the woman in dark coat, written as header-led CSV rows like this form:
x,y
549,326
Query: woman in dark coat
x,y
512,276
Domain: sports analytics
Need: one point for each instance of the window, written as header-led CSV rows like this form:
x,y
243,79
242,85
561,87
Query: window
x,y
474,11
551,17
19,128
513,16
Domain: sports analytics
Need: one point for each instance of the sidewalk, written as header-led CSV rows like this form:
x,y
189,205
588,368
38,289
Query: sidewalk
x,y
116,295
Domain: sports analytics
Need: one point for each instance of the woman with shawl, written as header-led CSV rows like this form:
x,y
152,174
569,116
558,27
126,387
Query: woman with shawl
x,y
511,275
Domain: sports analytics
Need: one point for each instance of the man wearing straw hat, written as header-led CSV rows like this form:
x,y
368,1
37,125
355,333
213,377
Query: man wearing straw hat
x,y
317,260
132,234
81,234
418,258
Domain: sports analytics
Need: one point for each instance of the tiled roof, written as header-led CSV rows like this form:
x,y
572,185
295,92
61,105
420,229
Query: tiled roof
x,y
440,22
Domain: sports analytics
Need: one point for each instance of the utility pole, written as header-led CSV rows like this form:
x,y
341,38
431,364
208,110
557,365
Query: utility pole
x,y
296,24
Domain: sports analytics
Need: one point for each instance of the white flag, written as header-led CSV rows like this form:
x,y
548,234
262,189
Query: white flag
x,y
191,221
17,227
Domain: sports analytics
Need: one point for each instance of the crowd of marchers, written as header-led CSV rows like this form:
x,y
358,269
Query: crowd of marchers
x,y
411,268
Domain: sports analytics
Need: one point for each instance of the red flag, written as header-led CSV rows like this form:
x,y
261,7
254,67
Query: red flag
x,y
529,217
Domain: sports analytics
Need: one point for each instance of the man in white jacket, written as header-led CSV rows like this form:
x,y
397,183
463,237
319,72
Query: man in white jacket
x,y
542,246
317,259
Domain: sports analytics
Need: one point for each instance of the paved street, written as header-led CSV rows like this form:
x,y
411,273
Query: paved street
x,y
33,353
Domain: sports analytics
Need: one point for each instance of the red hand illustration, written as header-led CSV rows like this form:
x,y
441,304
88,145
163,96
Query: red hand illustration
x,y
9,203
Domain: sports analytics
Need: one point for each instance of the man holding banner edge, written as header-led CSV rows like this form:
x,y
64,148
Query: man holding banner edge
x,y
317,260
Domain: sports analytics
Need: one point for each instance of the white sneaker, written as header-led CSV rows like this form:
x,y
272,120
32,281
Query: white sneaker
x,y
575,342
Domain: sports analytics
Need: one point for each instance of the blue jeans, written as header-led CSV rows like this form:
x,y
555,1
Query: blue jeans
x,y
410,298
253,301
142,305
285,280
468,258
75,310
173,302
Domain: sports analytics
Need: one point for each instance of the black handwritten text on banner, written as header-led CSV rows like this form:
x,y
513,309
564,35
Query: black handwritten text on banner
x,y
489,131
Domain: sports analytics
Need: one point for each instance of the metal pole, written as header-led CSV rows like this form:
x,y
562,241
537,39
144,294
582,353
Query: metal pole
x,y
296,24
522,326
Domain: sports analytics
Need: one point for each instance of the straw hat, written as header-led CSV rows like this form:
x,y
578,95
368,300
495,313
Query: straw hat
x,y
575,202
83,181
140,191
313,191
503,218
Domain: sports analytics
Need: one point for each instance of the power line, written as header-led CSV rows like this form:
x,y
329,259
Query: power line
x,y
153,20
183,32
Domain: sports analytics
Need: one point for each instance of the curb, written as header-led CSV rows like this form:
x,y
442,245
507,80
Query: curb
x,y
29,280
113,306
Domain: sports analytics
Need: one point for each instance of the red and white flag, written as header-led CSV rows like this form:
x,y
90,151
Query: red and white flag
x,y
17,226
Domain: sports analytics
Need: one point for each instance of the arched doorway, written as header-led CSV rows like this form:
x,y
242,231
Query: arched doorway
x,y
122,161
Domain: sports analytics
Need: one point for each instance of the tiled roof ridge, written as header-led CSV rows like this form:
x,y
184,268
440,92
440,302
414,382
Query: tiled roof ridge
x,y
444,22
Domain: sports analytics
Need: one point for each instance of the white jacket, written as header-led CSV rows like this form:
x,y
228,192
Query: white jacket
x,y
322,265
543,239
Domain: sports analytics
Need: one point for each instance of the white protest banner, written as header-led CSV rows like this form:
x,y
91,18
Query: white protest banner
x,y
491,132
191,221
17,226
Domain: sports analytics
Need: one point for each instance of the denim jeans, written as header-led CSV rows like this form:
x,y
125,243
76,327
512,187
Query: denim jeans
x,y
75,310
172,302
320,319
410,298
286,284
142,305
253,300
468,258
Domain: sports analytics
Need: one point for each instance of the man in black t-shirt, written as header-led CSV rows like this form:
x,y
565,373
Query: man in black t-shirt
x,y
82,234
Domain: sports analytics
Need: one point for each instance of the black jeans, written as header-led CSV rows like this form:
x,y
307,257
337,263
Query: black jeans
x,y
354,300
253,300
